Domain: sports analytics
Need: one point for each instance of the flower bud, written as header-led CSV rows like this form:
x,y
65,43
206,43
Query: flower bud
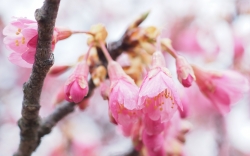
x,y
76,87
185,72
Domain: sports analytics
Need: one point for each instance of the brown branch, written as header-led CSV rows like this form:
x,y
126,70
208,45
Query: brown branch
x,y
48,123
30,120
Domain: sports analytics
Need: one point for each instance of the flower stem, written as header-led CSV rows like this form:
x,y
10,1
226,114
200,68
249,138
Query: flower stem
x,y
170,49
105,51
87,54
82,32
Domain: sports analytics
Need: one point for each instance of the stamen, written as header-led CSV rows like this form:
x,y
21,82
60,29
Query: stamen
x,y
18,31
17,43
23,40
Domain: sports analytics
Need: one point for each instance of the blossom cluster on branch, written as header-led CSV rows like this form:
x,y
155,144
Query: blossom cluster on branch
x,y
144,100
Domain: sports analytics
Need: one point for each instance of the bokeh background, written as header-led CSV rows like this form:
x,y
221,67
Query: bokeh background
x,y
205,31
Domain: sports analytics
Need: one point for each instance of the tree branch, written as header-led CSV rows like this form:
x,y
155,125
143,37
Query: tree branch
x,y
48,123
30,120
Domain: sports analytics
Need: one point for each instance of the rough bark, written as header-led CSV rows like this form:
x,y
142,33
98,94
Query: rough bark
x,y
30,120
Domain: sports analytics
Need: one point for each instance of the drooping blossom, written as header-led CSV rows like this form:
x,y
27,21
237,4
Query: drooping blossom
x,y
158,97
122,97
21,39
222,88
184,71
123,94
76,87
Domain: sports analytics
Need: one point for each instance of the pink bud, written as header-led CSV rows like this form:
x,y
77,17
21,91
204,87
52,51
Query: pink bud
x,y
188,81
184,71
76,87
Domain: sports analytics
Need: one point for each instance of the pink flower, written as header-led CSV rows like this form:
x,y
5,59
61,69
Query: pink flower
x,y
21,38
122,97
76,87
222,88
18,34
184,71
158,97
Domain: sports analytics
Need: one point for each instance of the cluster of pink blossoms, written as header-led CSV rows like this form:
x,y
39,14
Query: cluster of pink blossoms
x,y
143,112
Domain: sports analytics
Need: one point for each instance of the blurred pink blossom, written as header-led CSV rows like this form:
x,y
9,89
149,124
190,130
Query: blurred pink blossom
x,y
238,49
222,88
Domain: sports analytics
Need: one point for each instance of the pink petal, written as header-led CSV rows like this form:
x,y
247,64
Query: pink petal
x,y
29,33
33,42
151,87
153,127
16,58
76,92
10,30
11,44
188,81
29,56
67,88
